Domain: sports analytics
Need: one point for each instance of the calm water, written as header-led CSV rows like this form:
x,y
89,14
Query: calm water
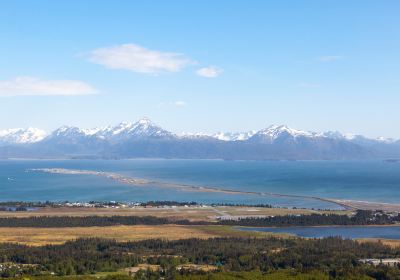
x,y
386,232
371,181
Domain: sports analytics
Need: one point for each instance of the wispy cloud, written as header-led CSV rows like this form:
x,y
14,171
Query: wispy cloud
x,y
138,59
209,72
35,86
308,85
329,58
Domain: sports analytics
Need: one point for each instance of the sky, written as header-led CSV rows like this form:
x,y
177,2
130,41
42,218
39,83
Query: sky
x,y
202,66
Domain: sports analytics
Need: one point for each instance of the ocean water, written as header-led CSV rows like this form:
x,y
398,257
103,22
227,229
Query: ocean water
x,y
369,180
351,232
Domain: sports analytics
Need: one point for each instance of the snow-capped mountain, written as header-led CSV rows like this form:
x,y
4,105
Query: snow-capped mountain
x,y
364,140
21,135
233,136
334,135
284,133
142,129
195,135
280,133
356,138
73,132
147,139
69,135
222,136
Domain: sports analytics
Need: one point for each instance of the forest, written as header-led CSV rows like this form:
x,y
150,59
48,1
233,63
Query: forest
x,y
361,217
332,257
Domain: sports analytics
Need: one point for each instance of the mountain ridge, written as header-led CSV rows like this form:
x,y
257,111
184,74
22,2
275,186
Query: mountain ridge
x,y
147,139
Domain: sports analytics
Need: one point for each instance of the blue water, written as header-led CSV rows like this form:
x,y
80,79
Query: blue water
x,y
353,232
370,181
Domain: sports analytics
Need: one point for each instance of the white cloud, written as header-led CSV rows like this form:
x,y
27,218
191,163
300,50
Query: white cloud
x,y
34,86
136,58
329,58
209,72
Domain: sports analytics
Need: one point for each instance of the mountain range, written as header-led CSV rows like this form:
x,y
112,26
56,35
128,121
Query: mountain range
x,y
146,139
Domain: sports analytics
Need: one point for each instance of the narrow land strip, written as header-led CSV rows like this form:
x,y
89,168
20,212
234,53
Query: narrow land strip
x,y
347,204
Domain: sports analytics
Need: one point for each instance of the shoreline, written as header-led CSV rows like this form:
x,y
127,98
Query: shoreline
x,y
144,182
321,226
346,204
391,242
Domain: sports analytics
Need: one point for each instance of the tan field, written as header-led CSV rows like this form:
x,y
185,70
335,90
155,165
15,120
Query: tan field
x,y
394,243
43,236
191,213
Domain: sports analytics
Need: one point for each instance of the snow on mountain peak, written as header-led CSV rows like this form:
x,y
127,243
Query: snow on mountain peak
x,y
385,140
145,121
144,128
67,130
123,126
73,131
194,135
233,136
124,130
222,136
356,138
273,132
22,135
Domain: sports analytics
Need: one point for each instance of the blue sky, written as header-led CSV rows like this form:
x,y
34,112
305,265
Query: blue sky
x,y
202,65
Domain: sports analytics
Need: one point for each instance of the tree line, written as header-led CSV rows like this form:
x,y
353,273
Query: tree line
x,y
361,217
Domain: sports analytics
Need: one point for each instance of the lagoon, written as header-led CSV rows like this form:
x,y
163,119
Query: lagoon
x,y
348,232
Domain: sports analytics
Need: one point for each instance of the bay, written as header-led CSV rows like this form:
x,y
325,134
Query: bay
x,y
376,181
